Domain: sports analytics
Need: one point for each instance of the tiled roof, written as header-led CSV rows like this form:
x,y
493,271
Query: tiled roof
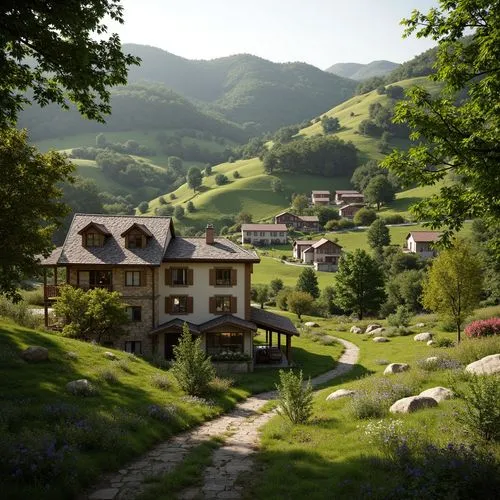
x,y
309,218
346,191
353,195
424,236
227,319
113,251
196,249
302,242
321,192
52,259
277,323
263,227
286,212
322,241
175,325
360,205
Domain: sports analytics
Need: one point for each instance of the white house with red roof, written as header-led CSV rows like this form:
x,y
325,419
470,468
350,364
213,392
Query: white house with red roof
x,y
422,243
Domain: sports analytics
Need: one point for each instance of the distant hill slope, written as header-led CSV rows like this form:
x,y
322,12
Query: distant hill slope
x,y
357,71
245,88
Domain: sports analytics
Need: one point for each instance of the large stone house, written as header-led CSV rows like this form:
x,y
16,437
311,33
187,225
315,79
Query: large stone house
x,y
305,223
422,243
320,197
264,234
165,281
323,254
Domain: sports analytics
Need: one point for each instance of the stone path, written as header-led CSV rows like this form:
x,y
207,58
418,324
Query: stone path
x,y
241,426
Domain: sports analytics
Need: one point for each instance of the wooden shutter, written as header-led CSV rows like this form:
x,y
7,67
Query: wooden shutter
x,y
168,305
168,276
234,305
190,305
234,274
211,305
211,277
190,276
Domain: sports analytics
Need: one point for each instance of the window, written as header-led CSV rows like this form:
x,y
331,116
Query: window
x,y
179,304
134,346
132,278
222,303
179,277
134,314
94,279
282,233
222,342
134,240
223,277
93,239
262,233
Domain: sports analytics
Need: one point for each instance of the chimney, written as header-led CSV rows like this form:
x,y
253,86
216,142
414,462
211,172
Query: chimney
x,y
210,234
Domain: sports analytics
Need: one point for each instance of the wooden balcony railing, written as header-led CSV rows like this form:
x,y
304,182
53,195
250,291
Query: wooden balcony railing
x,y
51,292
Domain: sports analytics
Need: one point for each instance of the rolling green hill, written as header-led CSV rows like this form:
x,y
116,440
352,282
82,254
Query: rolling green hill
x,y
357,71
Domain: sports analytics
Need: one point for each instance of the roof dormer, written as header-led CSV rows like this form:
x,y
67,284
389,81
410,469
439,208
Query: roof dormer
x,y
136,236
94,235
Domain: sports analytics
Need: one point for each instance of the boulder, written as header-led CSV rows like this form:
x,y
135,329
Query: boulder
x,y
110,355
423,337
81,386
437,393
419,325
341,393
485,366
356,329
412,403
431,342
311,324
396,368
371,327
35,353
380,339
432,359
377,331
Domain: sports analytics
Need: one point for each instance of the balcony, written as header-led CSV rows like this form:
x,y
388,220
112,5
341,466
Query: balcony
x,y
51,292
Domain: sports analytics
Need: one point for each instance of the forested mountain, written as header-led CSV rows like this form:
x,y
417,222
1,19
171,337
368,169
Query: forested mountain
x,y
357,71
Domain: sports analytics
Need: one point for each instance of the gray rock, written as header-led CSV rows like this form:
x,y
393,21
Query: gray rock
x,y
356,329
377,331
437,393
396,368
380,339
412,404
35,353
110,355
485,366
371,327
419,325
340,393
79,387
432,359
311,324
423,337
431,342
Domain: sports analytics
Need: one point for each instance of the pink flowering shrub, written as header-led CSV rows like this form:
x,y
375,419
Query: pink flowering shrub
x,y
483,328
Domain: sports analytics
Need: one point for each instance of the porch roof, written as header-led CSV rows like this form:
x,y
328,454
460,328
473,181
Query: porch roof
x,y
275,322
176,325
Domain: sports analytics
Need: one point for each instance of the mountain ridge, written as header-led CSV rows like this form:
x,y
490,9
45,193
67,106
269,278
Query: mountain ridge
x,y
359,71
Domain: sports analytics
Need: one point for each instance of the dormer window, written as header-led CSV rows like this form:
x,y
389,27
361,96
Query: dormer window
x,y
136,236
93,239
94,235
134,240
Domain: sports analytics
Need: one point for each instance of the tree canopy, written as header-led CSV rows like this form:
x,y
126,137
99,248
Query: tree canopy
x,y
50,47
308,282
194,178
457,132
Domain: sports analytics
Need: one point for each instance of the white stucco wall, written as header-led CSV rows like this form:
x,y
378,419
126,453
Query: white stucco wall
x,y
201,291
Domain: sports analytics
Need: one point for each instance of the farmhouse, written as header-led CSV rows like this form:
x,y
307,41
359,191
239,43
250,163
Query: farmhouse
x,y
305,223
340,196
323,254
264,234
422,243
165,281
349,198
349,211
320,197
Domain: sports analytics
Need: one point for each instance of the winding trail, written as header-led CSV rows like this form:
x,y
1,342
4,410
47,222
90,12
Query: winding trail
x,y
241,426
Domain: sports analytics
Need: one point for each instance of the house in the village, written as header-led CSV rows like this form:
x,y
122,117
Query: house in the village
x,y
349,211
349,198
320,197
305,223
166,281
341,194
422,243
264,234
323,254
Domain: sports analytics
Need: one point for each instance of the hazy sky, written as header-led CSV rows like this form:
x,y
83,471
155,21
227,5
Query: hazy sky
x,y
320,32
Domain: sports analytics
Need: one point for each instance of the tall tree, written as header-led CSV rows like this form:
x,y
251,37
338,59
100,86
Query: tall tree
x,y
300,203
299,302
66,59
453,285
308,282
457,132
30,206
360,283
378,235
379,190
194,178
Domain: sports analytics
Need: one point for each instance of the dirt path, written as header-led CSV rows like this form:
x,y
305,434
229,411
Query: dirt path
x,y
229,461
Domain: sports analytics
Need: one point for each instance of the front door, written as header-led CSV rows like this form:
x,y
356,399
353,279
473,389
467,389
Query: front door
x,y
171,340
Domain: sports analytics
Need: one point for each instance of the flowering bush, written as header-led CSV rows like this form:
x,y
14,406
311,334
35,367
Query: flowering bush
x,y
483,328
230,356
389,436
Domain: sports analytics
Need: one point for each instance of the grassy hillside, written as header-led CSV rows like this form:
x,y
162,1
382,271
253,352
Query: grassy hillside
x,y
358,71
352,112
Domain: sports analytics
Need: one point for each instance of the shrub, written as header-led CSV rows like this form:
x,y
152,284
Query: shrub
x,y
160,381
33,297
221,179
178,212
124,365
483,328
295,398
402,317
469,351
190,207
20,313
394,219
219,384
164,211
444,342
364,217
172,196
236,174
143,207
162,200
481,414
389,436
165,413
108,376
191,368
438,364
